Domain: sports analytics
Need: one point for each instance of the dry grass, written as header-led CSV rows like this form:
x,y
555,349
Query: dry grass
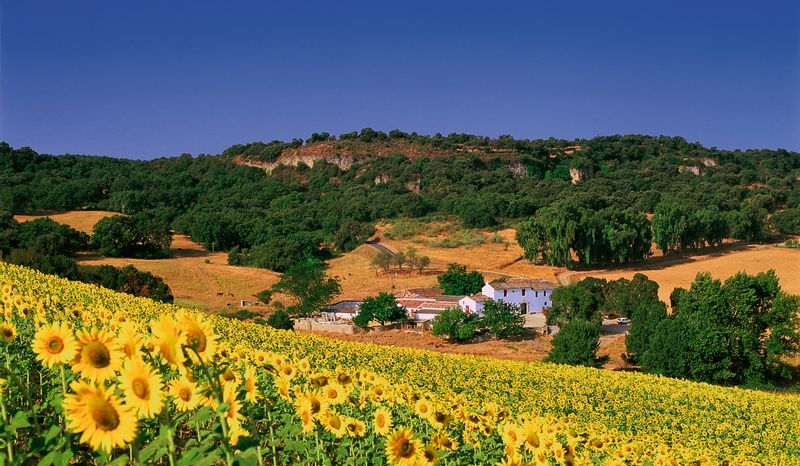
x,y
81,220
681,272
197,277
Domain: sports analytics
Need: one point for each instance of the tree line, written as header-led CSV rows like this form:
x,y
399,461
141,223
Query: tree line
x,y
736,332
50,247
276,220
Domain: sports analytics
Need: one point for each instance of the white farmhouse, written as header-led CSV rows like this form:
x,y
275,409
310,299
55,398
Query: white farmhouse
x,y
531,295
472,304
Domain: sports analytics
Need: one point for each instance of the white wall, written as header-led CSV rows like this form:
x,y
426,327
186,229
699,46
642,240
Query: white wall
x,y
474,306
536,300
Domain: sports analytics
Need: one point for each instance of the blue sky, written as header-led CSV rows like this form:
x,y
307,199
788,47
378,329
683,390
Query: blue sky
x,y
158,78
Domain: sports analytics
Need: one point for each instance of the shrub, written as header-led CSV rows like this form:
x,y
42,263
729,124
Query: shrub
x,y
455,324
576,344
502,319
280,319
457,281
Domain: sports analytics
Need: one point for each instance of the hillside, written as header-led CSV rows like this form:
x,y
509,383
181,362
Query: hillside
x,y
494,406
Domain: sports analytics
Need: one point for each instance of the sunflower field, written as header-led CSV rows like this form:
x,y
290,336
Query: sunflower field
x,y
90,376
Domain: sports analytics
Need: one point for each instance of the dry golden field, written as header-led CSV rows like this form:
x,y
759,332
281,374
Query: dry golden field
x,y
197,277
81,220
680,272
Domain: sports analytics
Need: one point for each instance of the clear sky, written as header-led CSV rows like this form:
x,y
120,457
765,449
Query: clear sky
x,y
157,78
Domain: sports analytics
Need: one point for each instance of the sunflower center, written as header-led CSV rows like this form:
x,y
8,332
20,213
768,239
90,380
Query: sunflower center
x,y
197,340
141,389
406,449
97,354
381,421
103,413
185,394
335,422
55,345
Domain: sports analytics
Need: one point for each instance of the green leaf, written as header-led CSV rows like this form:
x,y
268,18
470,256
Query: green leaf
x,y
20,421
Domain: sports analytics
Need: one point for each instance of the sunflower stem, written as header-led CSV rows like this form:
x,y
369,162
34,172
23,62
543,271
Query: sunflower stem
x,y
9,446
272,438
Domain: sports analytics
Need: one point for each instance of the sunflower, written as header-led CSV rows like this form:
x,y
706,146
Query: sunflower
x,y
99,356
142,388
439,419
429,456
316,403
402,449
284,388
233,414
7,332
198,333
130,340
250,384
334,393
168,340
530,438
306,416
382,421
354,427
343,377
97,413
54,345
185,394
319,380
332,422
235,430
423,408
443,441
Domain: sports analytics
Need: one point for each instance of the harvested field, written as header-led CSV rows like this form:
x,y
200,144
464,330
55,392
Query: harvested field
x,y
534,349
671,273
81,220
198,278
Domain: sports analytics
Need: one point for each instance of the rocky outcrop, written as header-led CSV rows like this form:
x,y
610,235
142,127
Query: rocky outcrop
x,y
694,169
579,174
519,169
382,178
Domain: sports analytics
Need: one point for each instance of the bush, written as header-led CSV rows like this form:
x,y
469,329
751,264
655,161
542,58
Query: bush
x,y
382,308
455,324
502,319
404,228
457,281
280,319
134,236
787,221
576,344
51,238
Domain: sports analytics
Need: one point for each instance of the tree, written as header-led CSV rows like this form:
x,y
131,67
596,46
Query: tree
x,y
457,281
786,221
9,230
671,226
281,253
382,308
748,223
736,332
455,324
129,280
264,296
51,238
352,234
645,310
574,302
576,343
309,285
131,236
503,319
382,261
280,319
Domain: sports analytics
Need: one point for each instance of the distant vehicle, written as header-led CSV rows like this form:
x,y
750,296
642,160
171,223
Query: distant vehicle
x,y
623,320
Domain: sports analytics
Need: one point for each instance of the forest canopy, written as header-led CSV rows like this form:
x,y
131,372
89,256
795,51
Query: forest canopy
x,y
608,187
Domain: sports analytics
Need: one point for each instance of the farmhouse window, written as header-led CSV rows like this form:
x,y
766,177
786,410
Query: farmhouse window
x,y
523,292
536,294
505,293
